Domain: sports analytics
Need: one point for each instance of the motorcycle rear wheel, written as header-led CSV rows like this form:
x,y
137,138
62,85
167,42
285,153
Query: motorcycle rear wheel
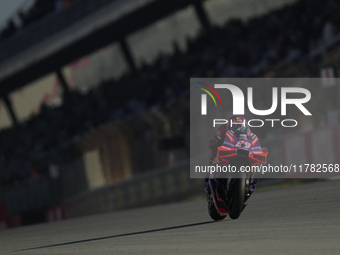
x,y
213,211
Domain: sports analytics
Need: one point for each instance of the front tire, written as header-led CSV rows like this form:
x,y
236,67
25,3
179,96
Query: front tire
x,y
238,196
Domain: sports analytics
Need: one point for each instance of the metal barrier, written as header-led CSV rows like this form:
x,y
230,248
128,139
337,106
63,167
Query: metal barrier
x,y
29,196
164,185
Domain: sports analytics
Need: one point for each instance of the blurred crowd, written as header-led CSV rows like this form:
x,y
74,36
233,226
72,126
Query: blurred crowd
x,y
39,9
238,49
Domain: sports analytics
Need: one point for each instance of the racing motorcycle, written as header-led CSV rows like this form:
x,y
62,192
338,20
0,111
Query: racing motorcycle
x,y
229,193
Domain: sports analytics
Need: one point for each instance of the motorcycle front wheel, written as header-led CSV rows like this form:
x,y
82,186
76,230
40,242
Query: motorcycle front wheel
x,y
238,195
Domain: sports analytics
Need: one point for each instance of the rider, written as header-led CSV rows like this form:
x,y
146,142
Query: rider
x,y
236,126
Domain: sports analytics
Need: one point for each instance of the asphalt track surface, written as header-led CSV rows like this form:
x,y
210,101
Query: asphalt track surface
x,y
302,219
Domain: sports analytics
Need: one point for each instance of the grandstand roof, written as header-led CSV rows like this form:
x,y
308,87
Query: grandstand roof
x,y
62,38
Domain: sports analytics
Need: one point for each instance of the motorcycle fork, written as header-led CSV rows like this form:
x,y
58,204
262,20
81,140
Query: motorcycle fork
x,y
248,191
229,186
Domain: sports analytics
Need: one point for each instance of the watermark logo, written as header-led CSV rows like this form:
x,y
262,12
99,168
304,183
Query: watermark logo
x,y
238,100
204,97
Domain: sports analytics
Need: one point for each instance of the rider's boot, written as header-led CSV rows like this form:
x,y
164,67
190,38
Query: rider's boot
x,y
252,185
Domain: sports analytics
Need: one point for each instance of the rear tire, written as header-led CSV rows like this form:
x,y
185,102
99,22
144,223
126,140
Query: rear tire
x,y
239,193
213,211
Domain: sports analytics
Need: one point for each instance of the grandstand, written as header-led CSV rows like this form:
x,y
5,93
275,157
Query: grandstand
x,y
127,125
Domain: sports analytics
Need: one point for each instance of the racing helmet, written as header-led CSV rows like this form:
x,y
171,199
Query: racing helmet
x,y
238,125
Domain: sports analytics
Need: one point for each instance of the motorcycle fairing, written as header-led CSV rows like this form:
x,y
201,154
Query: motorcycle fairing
x,y
231,144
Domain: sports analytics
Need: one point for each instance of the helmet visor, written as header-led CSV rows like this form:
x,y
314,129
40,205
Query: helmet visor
x,y
238,125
